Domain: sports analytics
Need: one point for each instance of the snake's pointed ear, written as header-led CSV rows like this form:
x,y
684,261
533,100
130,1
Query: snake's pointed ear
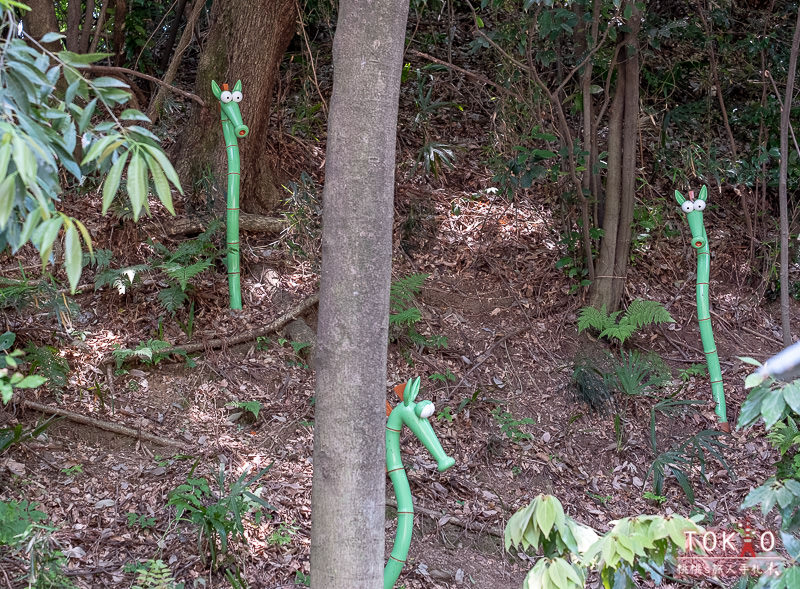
x,y
703,193
411,392
679,198
215,89
238,86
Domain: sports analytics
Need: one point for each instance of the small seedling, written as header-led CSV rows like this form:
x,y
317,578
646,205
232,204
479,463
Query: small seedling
x,y
699,370
252,406
660,499
602,499
73,470
445,414
510,426
283,535
443,377
143,522
300,578
262,343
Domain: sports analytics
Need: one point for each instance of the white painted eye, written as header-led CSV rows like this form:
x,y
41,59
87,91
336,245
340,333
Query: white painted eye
x,y
237,96
226,96
427,410
687,206
699,205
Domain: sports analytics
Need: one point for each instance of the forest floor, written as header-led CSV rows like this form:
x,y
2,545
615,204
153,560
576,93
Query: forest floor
x,y
510,414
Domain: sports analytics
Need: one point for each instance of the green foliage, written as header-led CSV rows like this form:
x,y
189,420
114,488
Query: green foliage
x,y
46,361
445,414
11,379
638,374
253,407
29,547
16,434
218,515
300,578
678,460
699,370
639,314
510,426
155,574
645,546
148,352
283,535
591,385
403,316
39,130
143,522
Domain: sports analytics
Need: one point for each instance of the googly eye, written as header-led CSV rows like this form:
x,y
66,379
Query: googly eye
x,y
226,96
699,205
687,206
427,411
237,96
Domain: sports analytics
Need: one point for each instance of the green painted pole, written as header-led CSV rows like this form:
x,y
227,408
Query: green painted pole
x,y
694,215
232,129
415,416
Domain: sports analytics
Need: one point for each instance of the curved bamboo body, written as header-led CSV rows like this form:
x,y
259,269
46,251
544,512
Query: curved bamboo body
x,y
405,504
706,333
232,215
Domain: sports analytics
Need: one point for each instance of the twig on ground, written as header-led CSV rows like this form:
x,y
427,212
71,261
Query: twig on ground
x,y
471,526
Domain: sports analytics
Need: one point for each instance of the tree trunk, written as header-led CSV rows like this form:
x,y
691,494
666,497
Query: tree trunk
x,y
40,20
247,42
786,323
86,30
73,25
120,12
347,536
173,35
612,264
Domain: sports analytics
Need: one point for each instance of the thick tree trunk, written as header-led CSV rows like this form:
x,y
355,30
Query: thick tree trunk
x,y
73,25
40,20
347,535
247,41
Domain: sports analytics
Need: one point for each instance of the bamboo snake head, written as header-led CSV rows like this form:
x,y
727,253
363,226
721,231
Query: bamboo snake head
x,y
694,215
229,102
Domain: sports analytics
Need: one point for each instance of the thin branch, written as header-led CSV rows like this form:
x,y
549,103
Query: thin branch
x,y
110,69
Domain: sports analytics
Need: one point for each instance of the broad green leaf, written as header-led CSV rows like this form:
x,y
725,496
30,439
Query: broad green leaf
x,y
80,60
50,37
753,380
161,184
557,574
162,159
45,236
87,239
131,114
772,408
109,82
751,408
73,258
5,157
784,496
111,184
31,222
24,160
137,184
749,360
72,90
7,340
791,394
31,382
97,147
546,514
8,188
86,115
144,132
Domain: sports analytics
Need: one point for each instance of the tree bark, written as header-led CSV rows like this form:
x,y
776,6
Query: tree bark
x,y
86,29
73,25
120,12
247,41
173,35
41,20
347,535
620,194
786,317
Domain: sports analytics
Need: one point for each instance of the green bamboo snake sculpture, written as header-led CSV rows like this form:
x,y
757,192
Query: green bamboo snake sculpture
x,y
232,129
415,416
694,215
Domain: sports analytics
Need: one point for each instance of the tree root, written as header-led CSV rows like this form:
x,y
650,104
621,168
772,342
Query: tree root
x,y
100,424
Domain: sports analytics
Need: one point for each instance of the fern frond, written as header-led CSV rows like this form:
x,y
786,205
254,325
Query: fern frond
x,y
403,290
49,364
641,313
594,318
183,274
619,332
405,317
784,435
172,298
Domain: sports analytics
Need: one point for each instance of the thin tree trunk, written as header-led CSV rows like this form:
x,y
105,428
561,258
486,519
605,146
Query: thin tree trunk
x,y
120,12
73,25
786,318
173,34
154,109
347,535
88,26
98,28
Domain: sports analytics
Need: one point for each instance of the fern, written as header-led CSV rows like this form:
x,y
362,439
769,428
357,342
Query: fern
x,y
172,298
182,274
637,373
155,575
49,364
784,435
18,294
120,278
639,314
403,291
405,317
